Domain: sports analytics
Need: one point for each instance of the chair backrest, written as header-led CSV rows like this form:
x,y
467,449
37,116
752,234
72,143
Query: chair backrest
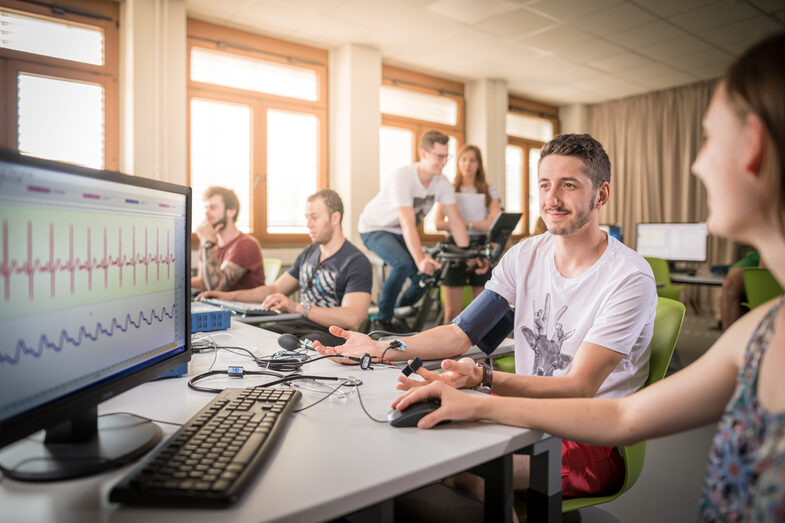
x,y
667,326
272,266
662,273
760,286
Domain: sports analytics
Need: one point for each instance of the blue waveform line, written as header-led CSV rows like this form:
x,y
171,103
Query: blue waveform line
x,y
84,334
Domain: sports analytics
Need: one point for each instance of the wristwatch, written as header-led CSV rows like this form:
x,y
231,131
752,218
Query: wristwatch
x,y
208,244
306,308
486,384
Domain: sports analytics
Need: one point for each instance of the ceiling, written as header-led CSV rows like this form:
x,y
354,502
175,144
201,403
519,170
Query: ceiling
x,y
554,51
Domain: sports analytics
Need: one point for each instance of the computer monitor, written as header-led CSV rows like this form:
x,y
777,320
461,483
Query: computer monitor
x,y
94,300
613,230
672,241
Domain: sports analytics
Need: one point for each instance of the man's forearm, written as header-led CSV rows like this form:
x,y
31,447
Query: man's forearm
x,y
445,341
412,240
220,278
344,317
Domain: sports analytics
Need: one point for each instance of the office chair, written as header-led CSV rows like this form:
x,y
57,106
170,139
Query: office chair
x,y
662,275
760,286
667,326
272,266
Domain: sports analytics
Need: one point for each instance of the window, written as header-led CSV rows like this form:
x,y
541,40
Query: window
x,y
411,104
258,125
61,72
529,126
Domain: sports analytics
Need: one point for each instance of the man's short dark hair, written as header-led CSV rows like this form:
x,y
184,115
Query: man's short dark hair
x,y
431,137
227,195
596,164
332,200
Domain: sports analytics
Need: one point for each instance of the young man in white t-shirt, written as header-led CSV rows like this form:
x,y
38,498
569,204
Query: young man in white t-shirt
x,y
581,305
388,223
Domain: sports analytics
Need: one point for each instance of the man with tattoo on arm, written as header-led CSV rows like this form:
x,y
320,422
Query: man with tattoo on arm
x,y
333,276
228,258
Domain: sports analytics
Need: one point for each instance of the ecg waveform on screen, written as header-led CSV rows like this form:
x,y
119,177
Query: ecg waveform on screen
x,y
83,334
31,266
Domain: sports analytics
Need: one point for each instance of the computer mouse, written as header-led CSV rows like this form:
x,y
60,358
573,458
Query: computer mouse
x,y
409,416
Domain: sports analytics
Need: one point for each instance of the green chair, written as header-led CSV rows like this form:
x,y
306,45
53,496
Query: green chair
x,y
667,326
272,266
760,286
662,276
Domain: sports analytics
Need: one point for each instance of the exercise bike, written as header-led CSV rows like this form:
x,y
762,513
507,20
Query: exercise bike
x,y
448,254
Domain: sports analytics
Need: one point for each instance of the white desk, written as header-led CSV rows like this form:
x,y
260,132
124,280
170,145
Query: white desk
x,y
330,460
709,279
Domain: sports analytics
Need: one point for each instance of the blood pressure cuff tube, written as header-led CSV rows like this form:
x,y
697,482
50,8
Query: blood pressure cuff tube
x,y
487,320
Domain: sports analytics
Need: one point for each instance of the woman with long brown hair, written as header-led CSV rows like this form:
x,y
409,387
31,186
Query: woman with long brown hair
x,y
479,204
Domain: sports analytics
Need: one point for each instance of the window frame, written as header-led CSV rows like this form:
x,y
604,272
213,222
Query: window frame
x,y
529,108
418,82
209,36
13,62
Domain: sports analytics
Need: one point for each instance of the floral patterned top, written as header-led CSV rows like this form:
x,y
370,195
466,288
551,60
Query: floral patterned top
x,y
746,471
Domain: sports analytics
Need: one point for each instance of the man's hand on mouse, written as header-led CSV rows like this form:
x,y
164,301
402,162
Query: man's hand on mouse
x,y
461,374
456,405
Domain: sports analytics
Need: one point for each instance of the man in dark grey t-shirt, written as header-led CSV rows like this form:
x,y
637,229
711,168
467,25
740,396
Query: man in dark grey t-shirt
x,y
333,276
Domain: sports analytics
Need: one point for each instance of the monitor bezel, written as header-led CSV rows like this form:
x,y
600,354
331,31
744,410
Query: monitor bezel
x,y
676,260
62,409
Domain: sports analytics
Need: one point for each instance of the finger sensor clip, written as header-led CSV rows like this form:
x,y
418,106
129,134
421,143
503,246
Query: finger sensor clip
x,y
412,367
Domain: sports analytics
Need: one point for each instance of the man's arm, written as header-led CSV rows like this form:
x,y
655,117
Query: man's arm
x,y
445,341
349,315
457,225
591,365
285,284
221,277
410,236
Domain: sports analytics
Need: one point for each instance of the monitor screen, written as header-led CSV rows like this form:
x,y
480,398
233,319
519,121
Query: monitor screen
x,y
94,291
672,241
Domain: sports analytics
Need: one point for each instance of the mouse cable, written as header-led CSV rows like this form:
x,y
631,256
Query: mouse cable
x,y
359,397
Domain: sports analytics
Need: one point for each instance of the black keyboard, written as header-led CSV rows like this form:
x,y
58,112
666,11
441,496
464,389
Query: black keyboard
x,y
211,460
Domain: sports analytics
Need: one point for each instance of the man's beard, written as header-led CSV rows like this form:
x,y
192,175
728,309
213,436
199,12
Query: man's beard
x,y
581,219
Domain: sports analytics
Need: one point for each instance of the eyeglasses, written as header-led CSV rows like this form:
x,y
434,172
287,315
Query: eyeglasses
x,y
441,157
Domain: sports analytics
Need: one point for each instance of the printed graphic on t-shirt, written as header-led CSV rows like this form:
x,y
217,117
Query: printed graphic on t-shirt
x,y
547,352
421,207
318,289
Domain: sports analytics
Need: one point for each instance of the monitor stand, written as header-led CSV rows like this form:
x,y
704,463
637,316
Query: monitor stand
x,y
84,445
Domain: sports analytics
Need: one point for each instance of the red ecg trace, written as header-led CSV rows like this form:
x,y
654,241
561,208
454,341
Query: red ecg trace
x,y
54,265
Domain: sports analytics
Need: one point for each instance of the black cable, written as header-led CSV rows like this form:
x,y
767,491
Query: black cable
x,y
143,417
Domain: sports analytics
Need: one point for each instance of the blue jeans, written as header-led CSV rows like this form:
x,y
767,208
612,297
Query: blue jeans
x,y
391,248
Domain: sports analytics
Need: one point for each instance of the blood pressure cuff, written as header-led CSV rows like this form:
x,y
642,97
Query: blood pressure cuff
x,y
487,320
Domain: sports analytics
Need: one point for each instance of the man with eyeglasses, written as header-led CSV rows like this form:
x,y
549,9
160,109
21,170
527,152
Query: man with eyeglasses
x,y
334,278
388,224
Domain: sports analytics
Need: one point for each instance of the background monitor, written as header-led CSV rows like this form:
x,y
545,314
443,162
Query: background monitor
x,y
94,300
672,241
613,230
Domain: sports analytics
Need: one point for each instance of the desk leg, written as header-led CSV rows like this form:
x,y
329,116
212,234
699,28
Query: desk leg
x,y
544,496
498,488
